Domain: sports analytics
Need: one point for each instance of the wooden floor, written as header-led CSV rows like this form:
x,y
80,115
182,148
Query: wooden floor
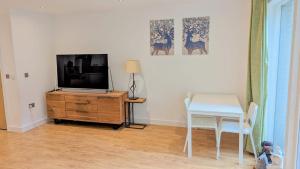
x,y
73,146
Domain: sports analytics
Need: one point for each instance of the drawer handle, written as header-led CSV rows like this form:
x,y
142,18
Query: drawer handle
x,y
87,102
104,97
80,111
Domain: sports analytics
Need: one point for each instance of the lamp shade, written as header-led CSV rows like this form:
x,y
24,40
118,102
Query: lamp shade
x,y
132,66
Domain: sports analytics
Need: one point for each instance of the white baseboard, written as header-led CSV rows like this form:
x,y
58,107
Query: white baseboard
x,y
161,122
27,127
144,121
14,128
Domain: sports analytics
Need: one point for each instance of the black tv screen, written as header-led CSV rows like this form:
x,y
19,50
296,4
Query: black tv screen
x,y
82,71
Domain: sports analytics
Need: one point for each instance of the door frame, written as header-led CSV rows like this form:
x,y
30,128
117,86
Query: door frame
x,y
3,124
293,116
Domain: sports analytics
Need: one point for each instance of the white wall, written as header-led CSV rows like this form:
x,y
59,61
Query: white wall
x,y
10,86
33,50
124,34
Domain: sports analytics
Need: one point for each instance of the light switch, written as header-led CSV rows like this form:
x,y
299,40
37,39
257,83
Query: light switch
x,y
26,75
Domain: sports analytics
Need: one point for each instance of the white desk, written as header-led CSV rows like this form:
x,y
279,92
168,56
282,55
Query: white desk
x,y
219,105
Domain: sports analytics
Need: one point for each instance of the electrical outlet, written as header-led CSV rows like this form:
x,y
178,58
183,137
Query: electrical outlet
x,y
31,105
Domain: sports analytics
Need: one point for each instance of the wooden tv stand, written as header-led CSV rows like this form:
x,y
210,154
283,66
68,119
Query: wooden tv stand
x,y
90,107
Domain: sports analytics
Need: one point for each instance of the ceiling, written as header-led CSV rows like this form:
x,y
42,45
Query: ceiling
x,y
73,6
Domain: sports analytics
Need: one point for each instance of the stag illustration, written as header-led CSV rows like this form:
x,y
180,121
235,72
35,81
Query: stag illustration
x,y
191,46
163,46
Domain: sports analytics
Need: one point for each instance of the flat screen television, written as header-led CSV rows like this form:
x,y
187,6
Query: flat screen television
x,y
89,71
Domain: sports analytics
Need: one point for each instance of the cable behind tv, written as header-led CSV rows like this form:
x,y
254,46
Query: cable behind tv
x,y
111,79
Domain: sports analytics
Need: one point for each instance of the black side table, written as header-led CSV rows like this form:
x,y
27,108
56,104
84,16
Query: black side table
x,y
129,115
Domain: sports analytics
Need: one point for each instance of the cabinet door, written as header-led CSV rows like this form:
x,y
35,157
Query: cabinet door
x,y
55,97
109,110
112,118
109,105
56,106
56,109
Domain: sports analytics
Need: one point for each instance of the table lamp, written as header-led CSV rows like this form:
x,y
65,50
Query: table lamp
x,y
132,66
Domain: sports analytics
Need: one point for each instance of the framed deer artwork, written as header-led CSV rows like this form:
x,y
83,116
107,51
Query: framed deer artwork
x,y
162,37
195,36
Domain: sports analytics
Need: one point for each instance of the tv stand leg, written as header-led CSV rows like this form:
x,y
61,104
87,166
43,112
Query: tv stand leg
x,y
57,121
116,126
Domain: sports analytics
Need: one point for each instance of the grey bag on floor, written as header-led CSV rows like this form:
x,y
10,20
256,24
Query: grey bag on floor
x,y
262,162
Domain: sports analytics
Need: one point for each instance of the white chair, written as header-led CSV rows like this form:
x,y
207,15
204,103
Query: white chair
x,y
200,121
232,126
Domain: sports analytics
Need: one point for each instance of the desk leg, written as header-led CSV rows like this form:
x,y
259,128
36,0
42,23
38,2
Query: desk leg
x,y
131,123
241,140
189,129
128,114
125,116
218,136
132,110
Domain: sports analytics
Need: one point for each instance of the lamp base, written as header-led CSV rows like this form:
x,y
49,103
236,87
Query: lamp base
x,y
133,98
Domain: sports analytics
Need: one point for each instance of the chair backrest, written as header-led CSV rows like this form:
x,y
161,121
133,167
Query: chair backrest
x,y
251,115
188,100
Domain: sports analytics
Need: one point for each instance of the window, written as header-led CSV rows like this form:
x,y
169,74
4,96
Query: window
x,y
280,24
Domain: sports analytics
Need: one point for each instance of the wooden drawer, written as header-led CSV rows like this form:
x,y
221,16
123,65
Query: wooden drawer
x,y
55,97
82,115
81,99
56,109
109,105
81,107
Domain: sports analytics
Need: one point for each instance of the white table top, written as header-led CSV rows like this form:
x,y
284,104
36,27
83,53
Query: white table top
x,y
216,103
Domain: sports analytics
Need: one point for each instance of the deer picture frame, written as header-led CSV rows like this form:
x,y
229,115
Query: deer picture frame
x,y
195,36
162,37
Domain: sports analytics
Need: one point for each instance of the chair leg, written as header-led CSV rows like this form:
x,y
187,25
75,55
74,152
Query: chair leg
x,y
189,135
253,146
245,141
217,137
219,144
185,144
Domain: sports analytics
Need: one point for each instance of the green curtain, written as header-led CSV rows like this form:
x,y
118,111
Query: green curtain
x,y
257,74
